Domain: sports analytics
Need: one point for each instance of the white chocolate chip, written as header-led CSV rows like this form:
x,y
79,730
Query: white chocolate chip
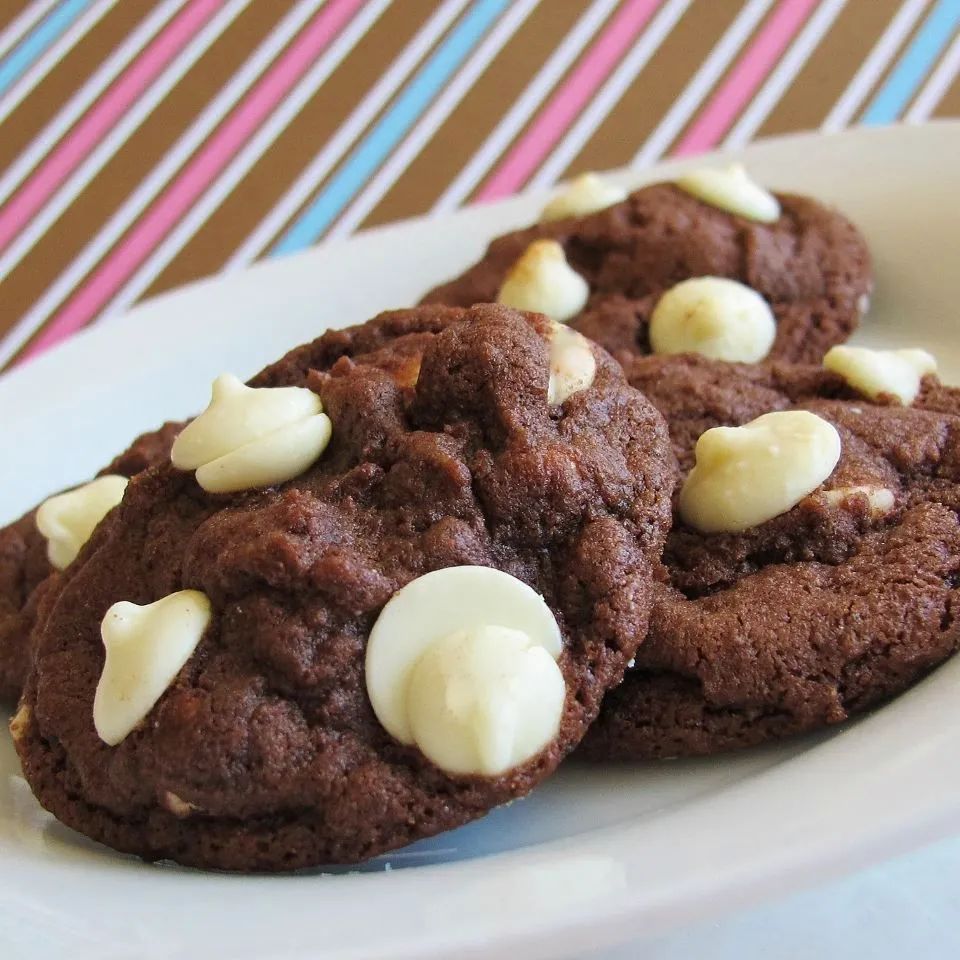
x,y
572,364
714,317
452,667
177,806
68,519
542,281
731,189
881,500
484,700
249,438
146,647
19,722
585,194
279,456
747,475
863,304
875,372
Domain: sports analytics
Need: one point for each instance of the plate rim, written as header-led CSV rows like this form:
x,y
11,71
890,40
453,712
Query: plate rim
x,y
617,916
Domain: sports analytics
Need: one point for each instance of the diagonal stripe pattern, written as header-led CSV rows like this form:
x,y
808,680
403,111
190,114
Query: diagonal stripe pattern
x,y
924,50
745,77
44,35
395,123
286,111
346,134
85,136
570,98
30,78
168,154
176,200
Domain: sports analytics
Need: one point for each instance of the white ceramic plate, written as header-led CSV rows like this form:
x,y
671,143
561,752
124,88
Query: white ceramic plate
x,y
595,856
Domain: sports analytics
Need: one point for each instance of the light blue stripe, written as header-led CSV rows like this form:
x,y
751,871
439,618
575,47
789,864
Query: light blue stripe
x,y
35,44
367,157
927,45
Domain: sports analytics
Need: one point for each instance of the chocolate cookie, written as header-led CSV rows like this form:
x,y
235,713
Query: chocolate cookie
x,y
25,569
817,614
810,264
265,750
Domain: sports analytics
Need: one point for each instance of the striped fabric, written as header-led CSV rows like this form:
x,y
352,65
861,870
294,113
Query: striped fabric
x,y
148,144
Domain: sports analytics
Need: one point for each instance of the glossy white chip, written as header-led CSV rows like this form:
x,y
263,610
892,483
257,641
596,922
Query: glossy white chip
x,y
462,663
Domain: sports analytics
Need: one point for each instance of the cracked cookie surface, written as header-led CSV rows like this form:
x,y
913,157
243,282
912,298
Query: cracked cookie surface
x,y
818,614
264,753
26,572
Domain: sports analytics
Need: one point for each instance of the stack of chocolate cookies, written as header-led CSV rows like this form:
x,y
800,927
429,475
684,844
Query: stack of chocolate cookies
x,y
619,487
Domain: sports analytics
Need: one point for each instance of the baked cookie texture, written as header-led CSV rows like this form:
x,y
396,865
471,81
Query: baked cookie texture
x,y
815,615
264,753
24,567
26,573
811,265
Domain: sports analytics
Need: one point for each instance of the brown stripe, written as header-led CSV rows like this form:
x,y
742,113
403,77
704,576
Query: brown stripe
x,y
10,11
949,105
297,145
660,83
49,96
891,66
136,158
713,39
831,67
478,114
656,87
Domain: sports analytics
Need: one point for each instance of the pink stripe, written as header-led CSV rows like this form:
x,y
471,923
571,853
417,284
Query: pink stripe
x,y
197,175
743,80
565,105
78,144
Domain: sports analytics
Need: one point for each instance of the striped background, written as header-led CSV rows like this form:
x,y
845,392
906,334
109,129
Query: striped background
x,y
145,144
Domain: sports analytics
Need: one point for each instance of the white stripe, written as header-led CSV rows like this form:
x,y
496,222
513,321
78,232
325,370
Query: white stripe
x,y
873,67
71,276
937,85
534,94
77,182
609,94
701,83
784,73
84,98
349,130
434,118
253,150
22,24
53,55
